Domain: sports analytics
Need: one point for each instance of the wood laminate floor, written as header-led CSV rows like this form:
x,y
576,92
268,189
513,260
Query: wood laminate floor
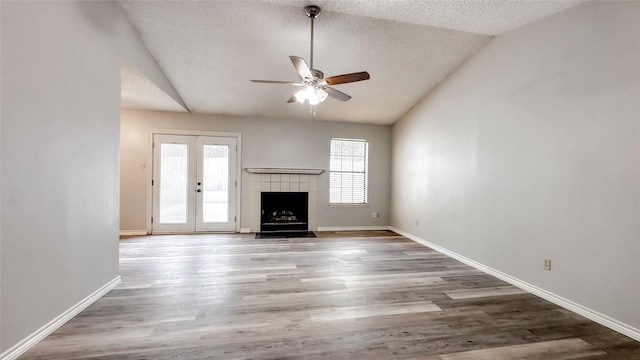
x,y
331,297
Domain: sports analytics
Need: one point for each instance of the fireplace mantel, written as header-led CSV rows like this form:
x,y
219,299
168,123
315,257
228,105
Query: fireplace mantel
x,y
284,171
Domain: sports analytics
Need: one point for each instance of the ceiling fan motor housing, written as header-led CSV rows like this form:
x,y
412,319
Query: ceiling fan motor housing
x,y
317,74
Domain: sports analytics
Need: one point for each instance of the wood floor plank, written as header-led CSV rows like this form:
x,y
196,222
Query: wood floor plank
x,y
355,295
557,350
354,312
484,292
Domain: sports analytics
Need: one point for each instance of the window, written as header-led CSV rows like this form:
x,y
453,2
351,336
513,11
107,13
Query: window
x,y
348,171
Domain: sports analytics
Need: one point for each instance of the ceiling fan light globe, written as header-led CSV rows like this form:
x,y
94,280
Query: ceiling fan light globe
x,y
314,100
310,95
321,94
309,92
301,96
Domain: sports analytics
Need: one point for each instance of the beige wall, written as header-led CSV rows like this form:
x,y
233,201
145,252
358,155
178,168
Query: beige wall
x,y
531,150
301,143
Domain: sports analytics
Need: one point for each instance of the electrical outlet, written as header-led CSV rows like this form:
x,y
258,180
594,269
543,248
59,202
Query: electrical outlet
x,y
547,264
143,165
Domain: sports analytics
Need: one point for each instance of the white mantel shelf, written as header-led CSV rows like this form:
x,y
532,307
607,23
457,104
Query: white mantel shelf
x,y
284,171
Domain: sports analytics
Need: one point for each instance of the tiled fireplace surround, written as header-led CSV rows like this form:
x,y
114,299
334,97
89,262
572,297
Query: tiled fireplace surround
x,y
289,182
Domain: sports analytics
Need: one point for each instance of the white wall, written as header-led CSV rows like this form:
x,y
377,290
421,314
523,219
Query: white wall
x,y
60,158
531,151
301,143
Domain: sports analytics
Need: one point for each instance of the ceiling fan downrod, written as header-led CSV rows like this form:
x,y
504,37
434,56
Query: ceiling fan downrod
x,y
312,12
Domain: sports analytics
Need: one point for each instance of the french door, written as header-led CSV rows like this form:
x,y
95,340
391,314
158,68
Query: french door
x,y
194,183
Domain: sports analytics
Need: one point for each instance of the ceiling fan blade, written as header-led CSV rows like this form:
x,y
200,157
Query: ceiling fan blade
x,y
277,82
347,78
336,94
301,67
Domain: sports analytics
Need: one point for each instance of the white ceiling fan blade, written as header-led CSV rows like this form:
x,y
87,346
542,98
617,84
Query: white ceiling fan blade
x,y
277,82
336,94
301,67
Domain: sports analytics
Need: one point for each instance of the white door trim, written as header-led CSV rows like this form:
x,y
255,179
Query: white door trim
x,y
149,196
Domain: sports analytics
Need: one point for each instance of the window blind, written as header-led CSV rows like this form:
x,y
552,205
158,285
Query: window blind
x,y
348,171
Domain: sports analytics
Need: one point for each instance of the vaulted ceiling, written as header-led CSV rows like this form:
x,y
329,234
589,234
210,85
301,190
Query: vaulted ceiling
x,y
210,50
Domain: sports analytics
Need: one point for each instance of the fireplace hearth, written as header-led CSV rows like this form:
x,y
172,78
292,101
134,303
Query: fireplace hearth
x,y
284,211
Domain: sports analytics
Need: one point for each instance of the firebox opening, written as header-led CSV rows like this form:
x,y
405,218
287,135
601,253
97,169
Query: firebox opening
x,y
284,211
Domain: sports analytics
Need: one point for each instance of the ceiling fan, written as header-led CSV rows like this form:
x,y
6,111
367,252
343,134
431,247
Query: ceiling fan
x,y
315,87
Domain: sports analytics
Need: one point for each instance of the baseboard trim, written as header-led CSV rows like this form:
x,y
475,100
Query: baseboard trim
x,y
27,343
133,232
353,228
590,314
245,231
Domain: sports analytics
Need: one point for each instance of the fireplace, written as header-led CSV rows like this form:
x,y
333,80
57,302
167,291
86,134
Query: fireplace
x,y
284,211
283,180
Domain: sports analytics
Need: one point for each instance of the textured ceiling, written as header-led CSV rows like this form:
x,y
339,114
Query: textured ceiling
x,y
138,92
211,49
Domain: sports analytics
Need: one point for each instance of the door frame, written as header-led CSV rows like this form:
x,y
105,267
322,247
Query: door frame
x,y
238,191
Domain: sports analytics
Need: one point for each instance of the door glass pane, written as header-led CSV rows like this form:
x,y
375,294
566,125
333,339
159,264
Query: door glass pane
x,y
215,181
174,160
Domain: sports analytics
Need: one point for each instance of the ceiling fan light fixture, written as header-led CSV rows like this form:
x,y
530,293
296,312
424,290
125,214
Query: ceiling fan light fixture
x,y
313,95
